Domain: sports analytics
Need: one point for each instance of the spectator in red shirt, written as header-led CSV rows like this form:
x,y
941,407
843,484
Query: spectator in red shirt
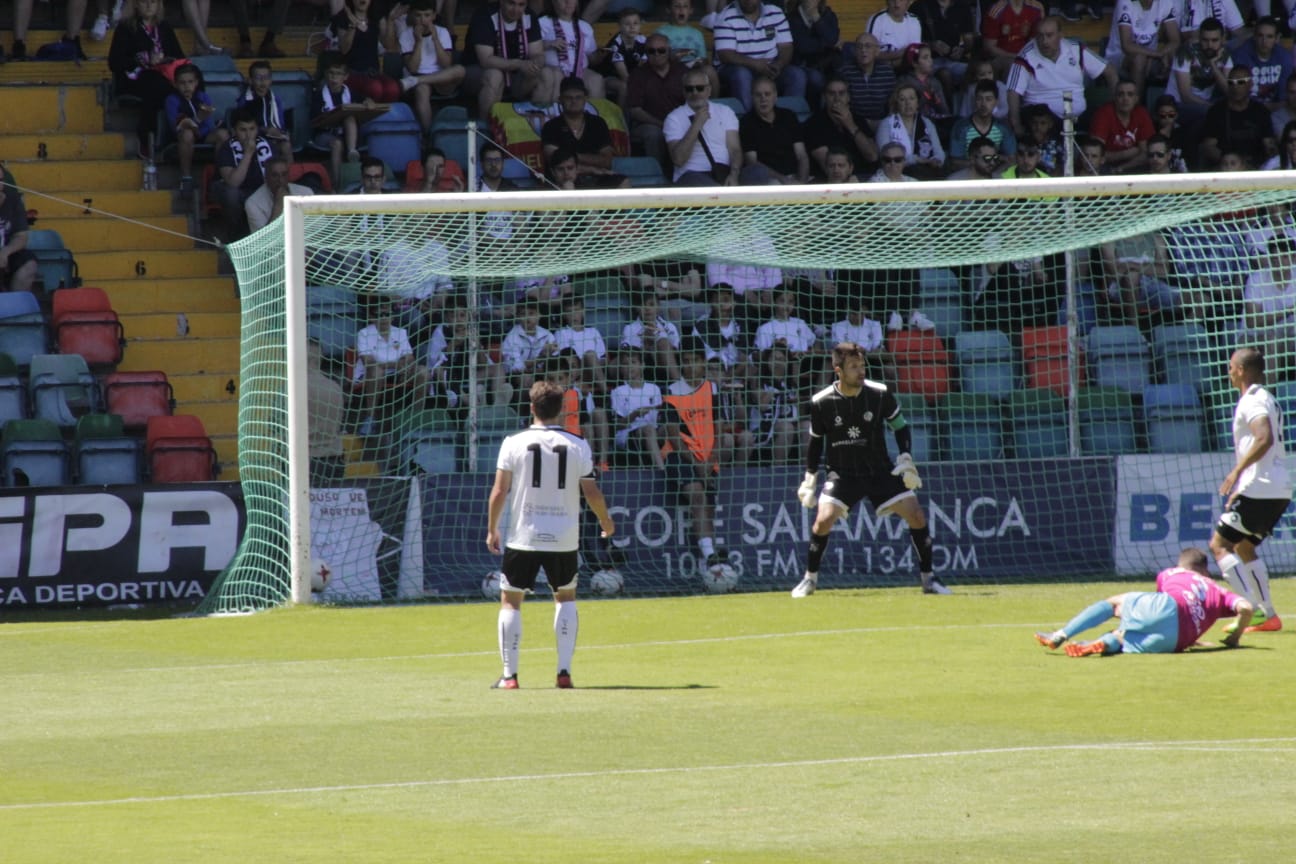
x,y
1006,28
1124,126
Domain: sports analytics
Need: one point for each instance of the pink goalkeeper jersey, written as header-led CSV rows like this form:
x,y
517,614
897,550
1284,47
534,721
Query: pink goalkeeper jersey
x,y
1201,602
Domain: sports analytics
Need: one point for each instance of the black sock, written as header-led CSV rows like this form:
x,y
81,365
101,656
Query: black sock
x,y
922,541
817,547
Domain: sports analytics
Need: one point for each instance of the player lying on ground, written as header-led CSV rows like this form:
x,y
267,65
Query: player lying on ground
x,y
1168,620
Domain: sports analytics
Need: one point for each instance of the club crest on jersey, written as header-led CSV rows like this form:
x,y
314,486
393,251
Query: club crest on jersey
x,y
837,421
868,415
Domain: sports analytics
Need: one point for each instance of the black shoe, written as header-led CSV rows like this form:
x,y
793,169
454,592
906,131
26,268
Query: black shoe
x,y
76,41
19,51
509,683
1095,11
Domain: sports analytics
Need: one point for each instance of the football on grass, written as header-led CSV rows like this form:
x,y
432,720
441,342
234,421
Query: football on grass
x,y
720,579
320,575
607,582
490,585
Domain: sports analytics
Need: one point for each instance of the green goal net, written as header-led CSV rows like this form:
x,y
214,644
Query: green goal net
x,y
1058,348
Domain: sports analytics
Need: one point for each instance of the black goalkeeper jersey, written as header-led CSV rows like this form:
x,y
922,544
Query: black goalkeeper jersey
x,y
854,428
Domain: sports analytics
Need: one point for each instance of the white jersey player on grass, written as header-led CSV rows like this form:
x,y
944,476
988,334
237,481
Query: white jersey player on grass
x,y
1258,488
552,468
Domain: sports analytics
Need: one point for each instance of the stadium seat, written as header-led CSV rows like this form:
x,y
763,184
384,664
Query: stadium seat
x,y
940,298
973,427
102,452
921,363
1182,354
1045,359
923,427
22,327
299,172
84,323
137,396
349,179
488,445
178,450
797,105
216,67
1174,418
294,89
1107,421
62,388
429,446
642,170
498,418
33,453
332,318
985,363
734,104
13,392
1037,424
55,265
396,138
1119,357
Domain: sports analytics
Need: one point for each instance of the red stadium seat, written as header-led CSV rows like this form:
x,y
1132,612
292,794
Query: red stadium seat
x,y
84,323
921,363
1044,352
179,451
137,396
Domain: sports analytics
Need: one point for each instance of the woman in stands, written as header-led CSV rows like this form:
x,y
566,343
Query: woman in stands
x,y
363,37
142,59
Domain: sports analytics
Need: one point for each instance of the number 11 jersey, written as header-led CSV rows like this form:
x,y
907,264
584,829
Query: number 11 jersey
x,y
547,464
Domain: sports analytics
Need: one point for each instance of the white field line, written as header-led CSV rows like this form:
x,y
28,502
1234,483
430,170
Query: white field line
x,y
1225,746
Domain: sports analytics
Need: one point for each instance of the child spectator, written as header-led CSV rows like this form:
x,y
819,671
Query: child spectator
x,y
1044,135
436,174
332,92
585,343
526,347
773,420
635,403
580,411
623,53
568,42
452,348
430,70
385,371
240,163
687,42
654,337
259,98
143,48
919,69
984,70
363,37
192,117
721,335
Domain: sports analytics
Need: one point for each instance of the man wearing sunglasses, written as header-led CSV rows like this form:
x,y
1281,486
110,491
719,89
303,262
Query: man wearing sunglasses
x,y
702,137
1238,123
653,90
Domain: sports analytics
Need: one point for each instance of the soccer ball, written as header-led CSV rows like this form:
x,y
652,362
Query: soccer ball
x,y
320,575
720,579
490,585
607,582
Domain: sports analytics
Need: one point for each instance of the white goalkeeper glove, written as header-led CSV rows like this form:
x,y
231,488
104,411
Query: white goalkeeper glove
x,y
806,491
905,468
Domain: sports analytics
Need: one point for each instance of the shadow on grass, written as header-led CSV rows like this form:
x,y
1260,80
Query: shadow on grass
x,y
650,687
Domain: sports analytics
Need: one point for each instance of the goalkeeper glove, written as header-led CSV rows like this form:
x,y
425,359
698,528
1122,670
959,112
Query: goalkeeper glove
x,y
806,491
906,469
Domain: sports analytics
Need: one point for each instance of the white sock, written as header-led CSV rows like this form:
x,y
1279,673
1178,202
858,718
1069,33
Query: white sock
x,y
510,636
566,623
1234,570
1260,576
707,545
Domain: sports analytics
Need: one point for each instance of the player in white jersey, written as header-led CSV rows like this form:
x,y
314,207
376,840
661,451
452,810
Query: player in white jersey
x,y
553,469
1258,488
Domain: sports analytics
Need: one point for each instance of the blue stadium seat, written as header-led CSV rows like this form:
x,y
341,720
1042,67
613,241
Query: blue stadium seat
x,y
972,426
103,454
985,361
396,138
642,170
55,266
797,105
62,388
332,318
216,67
733,104
1183,354
22,327
33,454
429,445
1174,418
1037,423
13,392
1107,421
923,429
940,298
1119,357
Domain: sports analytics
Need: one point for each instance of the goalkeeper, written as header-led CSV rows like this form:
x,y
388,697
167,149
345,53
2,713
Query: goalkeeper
x,y
1185,604
847,430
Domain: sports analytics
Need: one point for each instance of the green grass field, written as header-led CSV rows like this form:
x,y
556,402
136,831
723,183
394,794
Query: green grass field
x,y
852,726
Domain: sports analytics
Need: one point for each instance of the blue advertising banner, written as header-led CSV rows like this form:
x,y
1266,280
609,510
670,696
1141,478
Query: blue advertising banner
x,y
995,521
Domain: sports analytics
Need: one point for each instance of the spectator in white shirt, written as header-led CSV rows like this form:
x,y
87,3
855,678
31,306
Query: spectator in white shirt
x,y
656,339
635,403
385,371
526,347
584,342
702,137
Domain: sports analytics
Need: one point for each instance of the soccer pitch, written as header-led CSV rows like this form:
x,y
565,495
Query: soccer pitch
x,y
852,726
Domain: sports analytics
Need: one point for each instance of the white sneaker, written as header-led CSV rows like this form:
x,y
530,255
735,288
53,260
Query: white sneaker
x,y
100,28
919,321
932,585
117,10
805,587
408,83
895,322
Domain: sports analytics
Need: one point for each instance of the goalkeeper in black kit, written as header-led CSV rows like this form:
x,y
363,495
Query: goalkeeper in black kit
x,y
847,423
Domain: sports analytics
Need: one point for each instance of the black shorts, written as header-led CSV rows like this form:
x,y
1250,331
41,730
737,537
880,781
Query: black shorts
x,y
1250,519
17,260
521,566
883,490
682,471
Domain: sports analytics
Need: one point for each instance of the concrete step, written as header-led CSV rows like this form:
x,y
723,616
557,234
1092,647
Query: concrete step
x,y
170,295
50,108
145,265
205,387
83,177
153,325
63,147
104,234
132,204
219,418
226,454
218,356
